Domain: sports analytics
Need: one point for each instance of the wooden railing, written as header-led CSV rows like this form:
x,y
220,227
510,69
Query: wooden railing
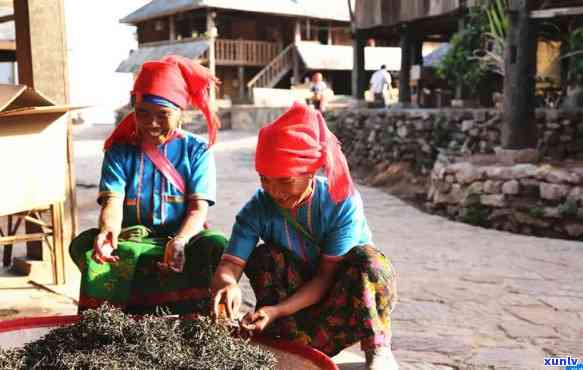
x,y
275,70
244,52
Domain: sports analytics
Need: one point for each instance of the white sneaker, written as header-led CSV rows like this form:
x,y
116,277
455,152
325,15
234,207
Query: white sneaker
x,y
381,358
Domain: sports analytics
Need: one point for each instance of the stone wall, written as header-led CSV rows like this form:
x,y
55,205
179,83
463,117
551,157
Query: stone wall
x,y
237,117
194,120
455,148
540,200
371,136
251,118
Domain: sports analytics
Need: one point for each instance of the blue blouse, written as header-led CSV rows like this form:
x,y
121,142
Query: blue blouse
x,y
150,199
337,227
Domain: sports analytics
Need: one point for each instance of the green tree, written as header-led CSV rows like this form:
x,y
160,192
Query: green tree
x,y
460,66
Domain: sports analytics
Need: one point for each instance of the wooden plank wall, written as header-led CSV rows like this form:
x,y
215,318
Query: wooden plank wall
x,y
375,13
368,13
41,47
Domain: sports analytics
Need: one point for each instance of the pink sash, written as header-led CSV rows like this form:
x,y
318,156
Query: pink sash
x,y
164,166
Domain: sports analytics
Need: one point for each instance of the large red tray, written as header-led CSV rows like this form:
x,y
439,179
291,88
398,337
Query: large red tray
x,y
29,329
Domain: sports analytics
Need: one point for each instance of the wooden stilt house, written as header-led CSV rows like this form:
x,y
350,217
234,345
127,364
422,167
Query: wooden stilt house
x,y
252,44
410,23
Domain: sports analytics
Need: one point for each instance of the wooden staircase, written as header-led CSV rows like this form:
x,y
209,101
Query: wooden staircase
x,y
272,73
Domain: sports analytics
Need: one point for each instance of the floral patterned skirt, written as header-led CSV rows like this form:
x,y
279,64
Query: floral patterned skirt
x,y
136,284
357,308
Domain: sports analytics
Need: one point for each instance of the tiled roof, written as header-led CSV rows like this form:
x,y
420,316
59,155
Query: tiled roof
x,y
320,9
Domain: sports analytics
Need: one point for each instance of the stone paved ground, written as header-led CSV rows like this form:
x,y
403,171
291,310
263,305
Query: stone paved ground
x,y
470,298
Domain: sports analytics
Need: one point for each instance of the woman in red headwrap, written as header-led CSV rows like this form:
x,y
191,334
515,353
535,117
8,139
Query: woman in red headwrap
x,y
317,277
157,182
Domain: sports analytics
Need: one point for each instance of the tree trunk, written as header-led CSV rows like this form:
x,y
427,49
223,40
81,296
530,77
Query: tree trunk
x,y
519,127
405,73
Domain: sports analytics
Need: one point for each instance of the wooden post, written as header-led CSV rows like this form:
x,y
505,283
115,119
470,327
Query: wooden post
x,y
417,59
212,35
459,89
172,27
416,51
41,54
41,50
241,75
308,30
329,33
58,257
297,31
405,73
7,258
296,67
519,128
296,57
358,71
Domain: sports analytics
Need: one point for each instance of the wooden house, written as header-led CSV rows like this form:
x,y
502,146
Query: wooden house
x,y
410,23
252,44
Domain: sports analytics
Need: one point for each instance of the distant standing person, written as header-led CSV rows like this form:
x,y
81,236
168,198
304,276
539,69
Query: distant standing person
x,y
317,88
380,82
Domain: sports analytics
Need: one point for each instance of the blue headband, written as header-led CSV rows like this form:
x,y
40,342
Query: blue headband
x,y
158,100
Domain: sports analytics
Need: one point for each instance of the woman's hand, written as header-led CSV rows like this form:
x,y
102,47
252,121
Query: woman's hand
x,y
256,322
104,245
230,296
174,255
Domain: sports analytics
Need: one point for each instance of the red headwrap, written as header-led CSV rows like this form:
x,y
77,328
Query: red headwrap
x,y
177,79
299,142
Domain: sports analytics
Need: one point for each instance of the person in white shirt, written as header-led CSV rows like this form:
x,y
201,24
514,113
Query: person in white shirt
x,y
380,82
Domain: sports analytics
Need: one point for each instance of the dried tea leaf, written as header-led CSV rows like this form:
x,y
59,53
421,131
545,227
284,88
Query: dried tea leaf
x,y
106,338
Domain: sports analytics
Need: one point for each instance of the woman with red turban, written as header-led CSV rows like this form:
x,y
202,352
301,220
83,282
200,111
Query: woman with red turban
x,y
157,181
316,276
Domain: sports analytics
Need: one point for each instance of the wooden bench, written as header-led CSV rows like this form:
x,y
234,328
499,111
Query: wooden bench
x,y
50,232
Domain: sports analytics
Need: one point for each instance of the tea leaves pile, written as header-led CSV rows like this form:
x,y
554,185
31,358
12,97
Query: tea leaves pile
x,y
106,338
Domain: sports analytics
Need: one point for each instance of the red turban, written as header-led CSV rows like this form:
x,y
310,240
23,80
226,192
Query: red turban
x,y
177,79
299,142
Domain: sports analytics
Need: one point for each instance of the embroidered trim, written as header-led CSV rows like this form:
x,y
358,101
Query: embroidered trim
x,y
301,242
162,201
309,209
164,166
303,247
173,198
198,196
162,189
131,202
289,240
139,195
153,299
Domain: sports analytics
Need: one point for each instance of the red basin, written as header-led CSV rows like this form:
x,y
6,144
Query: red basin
x,y
15,333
